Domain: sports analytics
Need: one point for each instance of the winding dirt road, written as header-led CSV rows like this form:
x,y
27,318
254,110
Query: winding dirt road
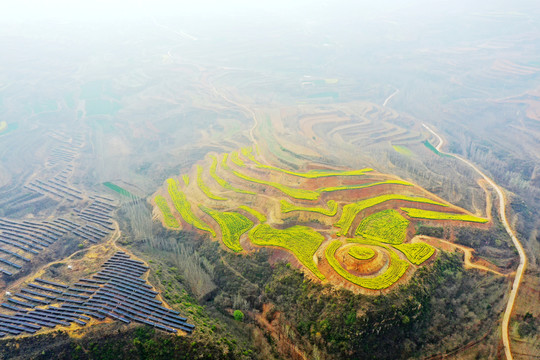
x,y
522,257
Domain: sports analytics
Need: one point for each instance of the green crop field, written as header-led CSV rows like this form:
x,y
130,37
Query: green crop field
x,y
204,188
258,215
232,225
361,252
170,220
416,253
387,226
225,184
432,148
184,208
331,211
302,241
393,273
437,215
351,210
119,190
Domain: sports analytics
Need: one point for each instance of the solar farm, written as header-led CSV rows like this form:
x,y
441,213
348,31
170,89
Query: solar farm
x,y
51,215
117,292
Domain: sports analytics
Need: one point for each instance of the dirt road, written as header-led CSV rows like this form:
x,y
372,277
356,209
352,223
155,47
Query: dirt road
x,y
391,96
522,256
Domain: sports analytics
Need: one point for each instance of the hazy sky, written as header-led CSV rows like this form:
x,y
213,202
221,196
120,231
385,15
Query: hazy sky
x,y
67,10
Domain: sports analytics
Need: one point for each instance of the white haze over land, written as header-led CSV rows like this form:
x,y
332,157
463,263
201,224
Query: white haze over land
x,y
66,11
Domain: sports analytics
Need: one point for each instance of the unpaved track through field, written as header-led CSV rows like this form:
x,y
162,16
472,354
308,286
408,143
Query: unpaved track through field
x,y
522,256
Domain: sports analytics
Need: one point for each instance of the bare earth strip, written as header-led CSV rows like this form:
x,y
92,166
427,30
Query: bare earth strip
x,y
442,244
522,257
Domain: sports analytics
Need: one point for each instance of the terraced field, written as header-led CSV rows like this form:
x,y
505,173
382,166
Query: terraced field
x,y
438,215
232,226
309,215
302,241
168,218
416,253
393,273
361,253
330,210
350,211
387,226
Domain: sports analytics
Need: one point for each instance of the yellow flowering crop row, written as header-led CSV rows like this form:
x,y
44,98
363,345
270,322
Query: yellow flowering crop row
x,y
232,225
254,212
224,183
361,252
387,226
186,179
204,188
438,215
416,253
331,211
312,174
351,210
170,220
302,241
184,208
393,273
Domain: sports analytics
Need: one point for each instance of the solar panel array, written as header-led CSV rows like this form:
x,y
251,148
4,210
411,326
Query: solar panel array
x,y
117,291
99,212
21,241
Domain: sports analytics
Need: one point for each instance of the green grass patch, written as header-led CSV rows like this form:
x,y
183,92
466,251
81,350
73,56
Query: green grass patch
x,y
416,253
387,226
403,150
204,188
393,273
351,210
184,208
170,220
224,183
439,215
331,211
232,225
119,189
434,150
361,252
302,241
258,215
